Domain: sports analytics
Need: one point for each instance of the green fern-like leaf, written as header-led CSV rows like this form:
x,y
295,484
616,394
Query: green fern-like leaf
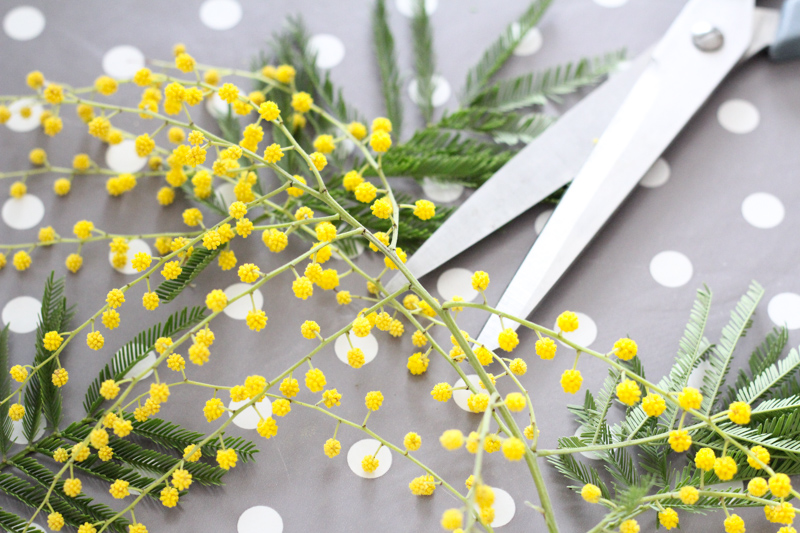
x,y
576,470
137,349
505,128
11,522
169,289
424,59
386,57
549,85
764,356
5,391
771,378
500,50
722,353
176,438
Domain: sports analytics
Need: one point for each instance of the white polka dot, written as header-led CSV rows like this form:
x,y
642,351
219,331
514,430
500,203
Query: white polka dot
x,y
784,308
441,91
657,176
671,269
541,220
456,282
530,43
610,3
738,116
238,310
260,519
695,379
134,247
329,49
226,192
586,332
461,396
216,106
23,213
595,456
365,447
122,62
122,157
146,362
368,345
762,210
21,124
22,313
220,14
249,418
441,192
406,7
23,23
504,508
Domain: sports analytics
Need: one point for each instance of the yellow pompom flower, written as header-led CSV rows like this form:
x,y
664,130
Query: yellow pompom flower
x,y
357,130
480,280
653,405
424,209
452,439
516,402
352,180
169,497
106,85
442,392
54,93
273,153
315,380
171,270
110,318
256,319
382,208
390,264
141,261
18,189
571,381
324,144
739,413
62,186
21,260
452,519
680,440
150,301
690,398
109,389
628,392
380,141
591,493
249,273
762,454
513,449
629,526
625,349
757,486
332,447
16,412
229,92
52,340
302,102
734,524
318,160
417,363
119,489
382,124
567,321
216,300
74,262
412,441
18,373
369,463
37,156
289,387
35,79
267,427
374,400
226,459
94,340
326,232
725,468
355,357
705,459
309,329
508,339
55,521
184,62
72,487
478,403
269,110
422,485
780,485
365,192
303,287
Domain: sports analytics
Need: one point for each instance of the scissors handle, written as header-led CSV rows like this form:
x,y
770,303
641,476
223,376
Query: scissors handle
x,y
787,39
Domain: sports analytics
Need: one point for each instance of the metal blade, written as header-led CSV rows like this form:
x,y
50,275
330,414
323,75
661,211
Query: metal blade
x,y
540,169
676,82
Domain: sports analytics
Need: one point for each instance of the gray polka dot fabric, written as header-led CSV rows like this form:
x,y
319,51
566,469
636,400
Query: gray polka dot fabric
x,y
719,208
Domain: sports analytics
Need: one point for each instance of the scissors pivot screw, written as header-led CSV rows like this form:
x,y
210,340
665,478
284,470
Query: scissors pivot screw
x,y
707,37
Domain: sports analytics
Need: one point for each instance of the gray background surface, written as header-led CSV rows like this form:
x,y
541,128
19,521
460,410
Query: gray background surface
x,y
697,212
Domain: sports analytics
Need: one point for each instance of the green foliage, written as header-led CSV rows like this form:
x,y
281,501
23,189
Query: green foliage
x,y
775,417
176,438
548,85
424,59
5,391
386,57
506,128
137,349
169,289
500,51
41,396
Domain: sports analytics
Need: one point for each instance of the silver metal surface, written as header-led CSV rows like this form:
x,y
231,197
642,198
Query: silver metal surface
x,y
706,37
540,169
678,79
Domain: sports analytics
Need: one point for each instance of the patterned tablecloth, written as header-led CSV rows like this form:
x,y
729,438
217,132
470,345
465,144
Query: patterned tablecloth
x,y
718,208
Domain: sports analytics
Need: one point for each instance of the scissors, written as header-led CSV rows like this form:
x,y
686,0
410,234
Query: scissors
x,y
639,112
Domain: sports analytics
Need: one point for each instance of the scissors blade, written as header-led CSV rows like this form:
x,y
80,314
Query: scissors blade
x,y
541,168
675,83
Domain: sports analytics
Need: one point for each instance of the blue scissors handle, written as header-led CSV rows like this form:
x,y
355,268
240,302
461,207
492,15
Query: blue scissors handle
x,y
787,39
